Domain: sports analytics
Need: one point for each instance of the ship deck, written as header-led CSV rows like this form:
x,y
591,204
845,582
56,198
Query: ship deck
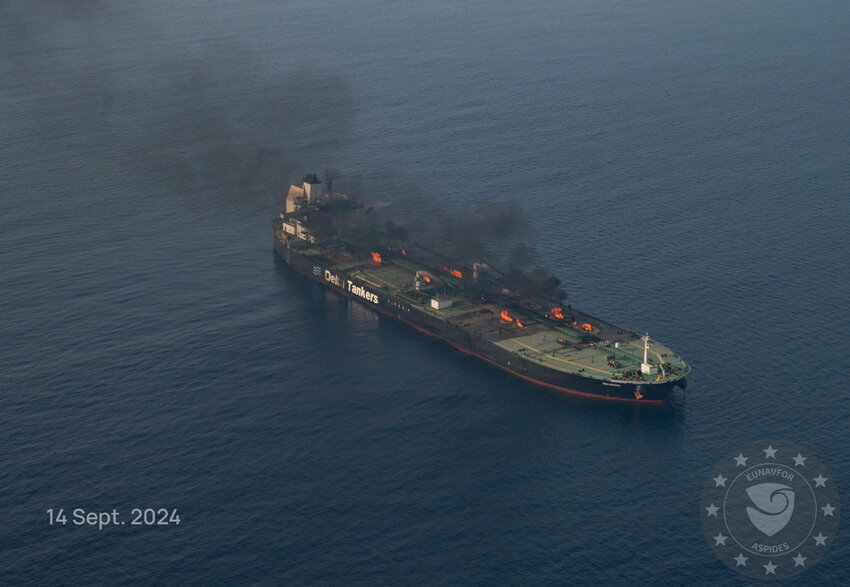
x,y
607,352
589,360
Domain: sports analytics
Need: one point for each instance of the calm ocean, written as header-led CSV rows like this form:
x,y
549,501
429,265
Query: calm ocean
x,y
686,165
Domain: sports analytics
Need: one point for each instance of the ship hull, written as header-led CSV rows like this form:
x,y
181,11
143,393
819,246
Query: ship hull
x,y
462,339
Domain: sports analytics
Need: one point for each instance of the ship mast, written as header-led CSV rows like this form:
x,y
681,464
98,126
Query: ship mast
x,y
645,367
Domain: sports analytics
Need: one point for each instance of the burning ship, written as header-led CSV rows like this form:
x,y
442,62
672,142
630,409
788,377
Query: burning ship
x,y
322,236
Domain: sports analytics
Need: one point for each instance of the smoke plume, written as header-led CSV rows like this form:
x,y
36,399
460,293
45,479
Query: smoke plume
x,y
224,128
496,231
215,123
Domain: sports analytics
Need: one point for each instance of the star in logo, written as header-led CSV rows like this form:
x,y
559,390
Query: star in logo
x,y
741,460
820,539
827,510
820,480
741,560
720,539
800,460
770,452
770,568
799,560
720,480
712,510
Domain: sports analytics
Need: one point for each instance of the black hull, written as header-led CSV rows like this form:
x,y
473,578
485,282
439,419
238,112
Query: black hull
x,y
464,340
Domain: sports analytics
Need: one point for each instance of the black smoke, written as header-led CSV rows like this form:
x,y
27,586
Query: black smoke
x,y
223,127
214,122
497,231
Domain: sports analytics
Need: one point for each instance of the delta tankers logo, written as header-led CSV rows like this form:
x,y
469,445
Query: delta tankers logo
x,y
770,510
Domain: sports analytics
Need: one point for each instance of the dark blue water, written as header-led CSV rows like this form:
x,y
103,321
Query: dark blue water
x,y
686,164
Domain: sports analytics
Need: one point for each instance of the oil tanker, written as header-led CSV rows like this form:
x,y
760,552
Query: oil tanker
x,y
330,238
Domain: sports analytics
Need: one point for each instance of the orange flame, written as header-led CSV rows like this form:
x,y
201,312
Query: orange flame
x,y
586,327
506,317
558,313
376,257
520,324
454,272
426,278
403,252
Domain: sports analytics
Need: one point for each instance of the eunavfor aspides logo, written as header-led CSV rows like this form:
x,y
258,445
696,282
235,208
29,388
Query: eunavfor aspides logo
x,y
770,510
